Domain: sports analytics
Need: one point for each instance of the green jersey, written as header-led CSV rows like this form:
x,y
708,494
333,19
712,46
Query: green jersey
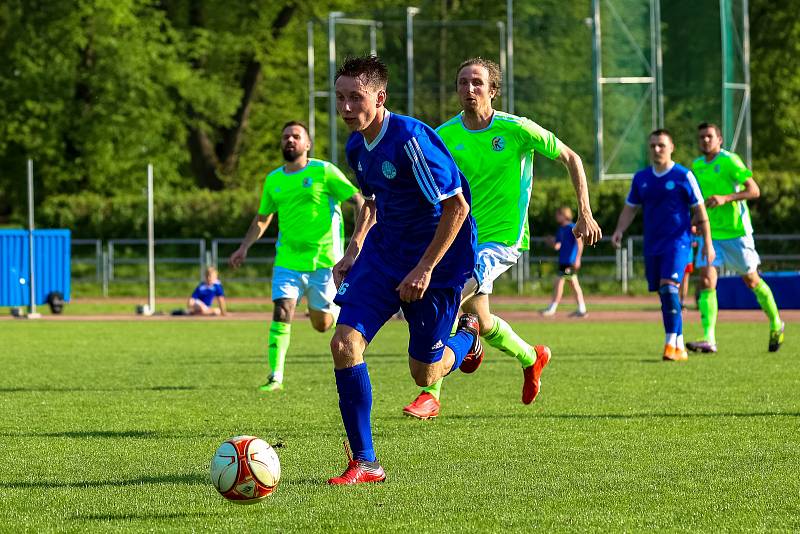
x,y
309,214
724,175
498,164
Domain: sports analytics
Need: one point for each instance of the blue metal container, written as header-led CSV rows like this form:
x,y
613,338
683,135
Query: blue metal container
x,y
52,273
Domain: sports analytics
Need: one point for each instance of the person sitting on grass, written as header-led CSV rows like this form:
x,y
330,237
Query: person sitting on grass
x,y
570,251
202,299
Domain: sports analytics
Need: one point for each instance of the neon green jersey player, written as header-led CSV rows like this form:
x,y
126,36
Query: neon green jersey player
x,y
495,151
306,194
727,184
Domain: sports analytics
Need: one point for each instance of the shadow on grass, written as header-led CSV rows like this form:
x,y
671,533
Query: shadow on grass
x,y
191,479
48,389
626,416
106,434
143,516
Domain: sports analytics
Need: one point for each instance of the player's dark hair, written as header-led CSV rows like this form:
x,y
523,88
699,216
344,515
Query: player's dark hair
x,y
662,131
704,125
296,123
372,71
491,67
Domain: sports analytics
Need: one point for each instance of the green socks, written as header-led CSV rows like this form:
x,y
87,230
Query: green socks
x,y
503,338
708,314
435,389
279,335
767,303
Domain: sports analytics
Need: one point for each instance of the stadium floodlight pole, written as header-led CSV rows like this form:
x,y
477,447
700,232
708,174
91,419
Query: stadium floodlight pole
x,y
598,92
151,257
501,29
332,126
312,119
510,52
410,12
32,314
746,66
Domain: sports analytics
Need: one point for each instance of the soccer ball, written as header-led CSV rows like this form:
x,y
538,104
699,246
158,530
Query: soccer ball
x,y
245,470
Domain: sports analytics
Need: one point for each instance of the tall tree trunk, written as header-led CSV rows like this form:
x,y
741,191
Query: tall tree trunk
x,y
209,159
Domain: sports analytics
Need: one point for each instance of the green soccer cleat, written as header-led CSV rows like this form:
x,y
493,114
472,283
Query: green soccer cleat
x,y
776,338
271,385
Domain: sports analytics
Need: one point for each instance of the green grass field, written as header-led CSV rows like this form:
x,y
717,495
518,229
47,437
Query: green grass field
x,y
111,425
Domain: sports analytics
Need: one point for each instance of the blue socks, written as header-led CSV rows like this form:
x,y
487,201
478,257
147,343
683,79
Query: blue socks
x,y
460,344
355,403
671,309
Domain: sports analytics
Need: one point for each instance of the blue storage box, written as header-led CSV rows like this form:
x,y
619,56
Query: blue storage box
x,y
733,293
52,272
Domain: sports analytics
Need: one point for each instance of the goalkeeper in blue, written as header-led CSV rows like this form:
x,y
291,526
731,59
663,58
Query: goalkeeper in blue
x,y
412,248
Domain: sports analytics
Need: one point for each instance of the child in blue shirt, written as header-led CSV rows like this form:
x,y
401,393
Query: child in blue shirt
x,y
569,250
202,299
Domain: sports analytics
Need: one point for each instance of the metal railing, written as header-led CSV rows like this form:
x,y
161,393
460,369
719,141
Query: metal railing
x,y
602,263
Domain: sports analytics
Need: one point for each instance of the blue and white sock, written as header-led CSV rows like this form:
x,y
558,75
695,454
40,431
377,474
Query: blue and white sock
x,y
671,311
355,403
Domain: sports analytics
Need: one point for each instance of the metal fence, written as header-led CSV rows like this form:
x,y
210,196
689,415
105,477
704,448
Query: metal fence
x,y
124,261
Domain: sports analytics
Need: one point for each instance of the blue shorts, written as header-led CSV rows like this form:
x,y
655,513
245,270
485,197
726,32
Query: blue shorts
x,y
668,265
368,299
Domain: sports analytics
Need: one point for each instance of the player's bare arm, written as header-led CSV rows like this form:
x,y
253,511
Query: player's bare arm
x,y
586,228
625,219
365,220
700,220
454,211
257,228
223,308
751,191
579,254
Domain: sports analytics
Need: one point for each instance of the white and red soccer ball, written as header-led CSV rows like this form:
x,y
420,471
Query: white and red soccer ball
x,y
245,469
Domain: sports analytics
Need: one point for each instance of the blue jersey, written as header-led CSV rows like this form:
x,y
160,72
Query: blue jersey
x,y
408,171
206,292
665,200
569,245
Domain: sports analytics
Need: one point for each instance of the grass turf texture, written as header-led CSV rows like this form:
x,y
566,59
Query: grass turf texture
x,y
113,425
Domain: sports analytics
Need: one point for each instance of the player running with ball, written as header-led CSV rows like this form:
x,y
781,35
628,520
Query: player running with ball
x,y
413,247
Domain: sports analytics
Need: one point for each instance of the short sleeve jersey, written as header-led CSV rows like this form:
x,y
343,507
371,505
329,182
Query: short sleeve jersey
x,y
206,292
408,171
307,202
569,245
665,200
724,175
498,163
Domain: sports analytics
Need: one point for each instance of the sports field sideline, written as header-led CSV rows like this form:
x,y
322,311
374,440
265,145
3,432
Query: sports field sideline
x,y
111,425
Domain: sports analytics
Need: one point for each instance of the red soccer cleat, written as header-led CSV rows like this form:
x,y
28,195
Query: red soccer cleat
x,y
469,322
358,471
425,406
532,375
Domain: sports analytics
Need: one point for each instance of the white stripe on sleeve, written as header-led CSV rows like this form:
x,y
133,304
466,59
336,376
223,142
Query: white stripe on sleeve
x,y
695,187
434,187
416,168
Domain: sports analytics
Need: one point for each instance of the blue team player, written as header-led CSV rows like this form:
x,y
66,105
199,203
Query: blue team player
x,y
670,198
413,247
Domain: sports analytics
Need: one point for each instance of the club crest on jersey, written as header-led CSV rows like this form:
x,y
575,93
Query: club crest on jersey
x,y
498,143
389,170
670,185
716,168
359,167
307,182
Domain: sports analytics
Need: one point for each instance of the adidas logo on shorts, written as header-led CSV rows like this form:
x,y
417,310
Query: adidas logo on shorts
x,y
438,345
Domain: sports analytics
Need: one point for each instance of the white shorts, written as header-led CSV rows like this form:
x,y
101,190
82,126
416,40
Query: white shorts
x,y
317,286
738,255
493,260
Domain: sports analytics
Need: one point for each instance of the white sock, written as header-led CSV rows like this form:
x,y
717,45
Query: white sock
x,y
277,377
553,306
680,342
582,307
671,339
